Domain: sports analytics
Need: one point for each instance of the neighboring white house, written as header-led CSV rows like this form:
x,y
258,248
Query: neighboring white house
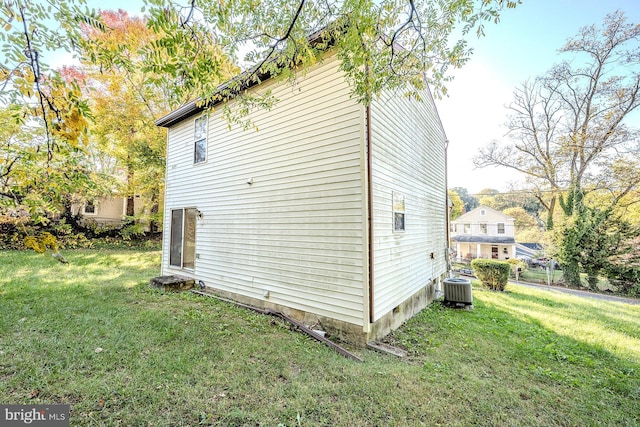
x,y
331,212
483,233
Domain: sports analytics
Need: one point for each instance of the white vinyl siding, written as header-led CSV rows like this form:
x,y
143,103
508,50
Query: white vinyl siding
x,y
282,206
408,148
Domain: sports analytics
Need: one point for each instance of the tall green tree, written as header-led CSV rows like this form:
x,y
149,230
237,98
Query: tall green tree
x,y
470,202
45,158
457,205
125,101
387,44
588,240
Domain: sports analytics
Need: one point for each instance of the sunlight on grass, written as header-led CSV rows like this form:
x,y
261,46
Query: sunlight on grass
x,y
94,335
576,318
102,267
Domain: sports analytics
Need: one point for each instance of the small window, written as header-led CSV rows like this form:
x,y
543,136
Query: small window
x,y
467,228
398,212
90,208
501,228
483,212
483,228
200,140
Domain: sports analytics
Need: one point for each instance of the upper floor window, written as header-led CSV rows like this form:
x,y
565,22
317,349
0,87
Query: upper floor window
x,y
483,228
398,212
501,228
200,139
467,228
483,212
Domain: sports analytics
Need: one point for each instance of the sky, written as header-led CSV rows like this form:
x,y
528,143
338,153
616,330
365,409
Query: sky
x,y
523,45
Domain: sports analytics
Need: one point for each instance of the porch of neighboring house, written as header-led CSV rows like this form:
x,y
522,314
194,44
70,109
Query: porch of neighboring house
x,y
465,252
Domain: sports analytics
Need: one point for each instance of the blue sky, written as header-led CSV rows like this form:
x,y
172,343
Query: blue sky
x,y
523,45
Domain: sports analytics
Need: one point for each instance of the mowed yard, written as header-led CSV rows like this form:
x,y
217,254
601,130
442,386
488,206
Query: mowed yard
x,y
94,335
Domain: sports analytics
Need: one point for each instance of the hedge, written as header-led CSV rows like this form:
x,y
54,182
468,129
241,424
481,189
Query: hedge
x,y
493,274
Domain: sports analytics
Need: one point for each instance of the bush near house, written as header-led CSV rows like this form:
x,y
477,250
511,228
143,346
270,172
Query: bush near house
x,y
493,274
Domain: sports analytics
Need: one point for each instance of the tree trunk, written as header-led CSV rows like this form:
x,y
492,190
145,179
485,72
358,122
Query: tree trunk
x,y
552,207
153,226
130,191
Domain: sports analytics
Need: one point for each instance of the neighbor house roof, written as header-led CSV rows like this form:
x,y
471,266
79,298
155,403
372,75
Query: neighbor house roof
x,y
503,240
472,213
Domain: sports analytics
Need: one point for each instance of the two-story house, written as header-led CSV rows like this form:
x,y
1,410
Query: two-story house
x,y
483,233
333,212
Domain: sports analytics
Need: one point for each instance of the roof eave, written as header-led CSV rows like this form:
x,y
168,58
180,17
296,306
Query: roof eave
x,y
194,107
186,110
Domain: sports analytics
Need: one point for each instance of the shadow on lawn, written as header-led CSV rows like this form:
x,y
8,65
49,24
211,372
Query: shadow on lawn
x,y
126,354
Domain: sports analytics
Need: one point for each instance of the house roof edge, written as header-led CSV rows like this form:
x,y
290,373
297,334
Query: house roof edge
x,y
196,106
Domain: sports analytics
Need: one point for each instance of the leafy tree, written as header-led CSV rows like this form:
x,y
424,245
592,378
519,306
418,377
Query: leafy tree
x,y
32,180
390,44
457,204
588,239
527,227
568,130
125,101
470,202
43,158
623,269
514,198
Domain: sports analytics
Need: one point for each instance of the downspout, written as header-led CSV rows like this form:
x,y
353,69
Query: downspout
x,y
370,209
446,206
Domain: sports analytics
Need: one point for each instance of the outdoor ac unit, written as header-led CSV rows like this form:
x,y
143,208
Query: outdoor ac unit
x,y
457,290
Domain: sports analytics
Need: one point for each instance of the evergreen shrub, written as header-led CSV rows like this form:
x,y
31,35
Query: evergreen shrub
x,y
492,273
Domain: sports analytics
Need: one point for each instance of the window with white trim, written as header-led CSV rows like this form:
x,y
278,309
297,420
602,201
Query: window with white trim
x,y
200,139
501,228
398,212
483,228
467,228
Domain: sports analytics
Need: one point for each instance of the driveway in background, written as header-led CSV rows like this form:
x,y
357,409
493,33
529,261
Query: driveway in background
x,y
584,294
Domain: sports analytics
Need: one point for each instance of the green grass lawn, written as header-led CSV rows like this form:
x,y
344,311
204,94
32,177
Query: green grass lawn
x,y
94,335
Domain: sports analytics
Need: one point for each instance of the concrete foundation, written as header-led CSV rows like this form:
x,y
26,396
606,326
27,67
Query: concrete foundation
x,y
344,331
